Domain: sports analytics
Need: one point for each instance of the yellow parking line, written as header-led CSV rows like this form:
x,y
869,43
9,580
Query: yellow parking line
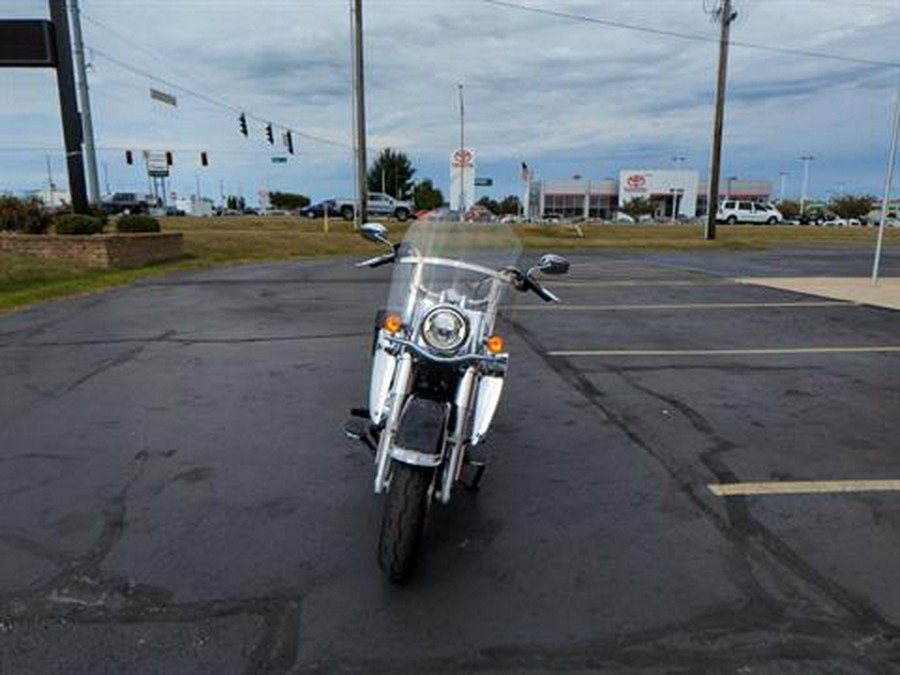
x,y
890,349
803,487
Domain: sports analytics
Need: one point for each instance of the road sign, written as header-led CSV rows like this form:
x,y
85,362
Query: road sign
x,y
484,182
279,160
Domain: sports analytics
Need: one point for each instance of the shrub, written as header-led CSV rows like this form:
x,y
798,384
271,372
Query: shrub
x,y
23,215
137,223
75,223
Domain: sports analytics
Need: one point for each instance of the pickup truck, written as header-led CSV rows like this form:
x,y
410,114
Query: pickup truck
x,y
379,204
127,202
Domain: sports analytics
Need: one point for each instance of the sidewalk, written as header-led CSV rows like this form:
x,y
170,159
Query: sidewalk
x,y
856,289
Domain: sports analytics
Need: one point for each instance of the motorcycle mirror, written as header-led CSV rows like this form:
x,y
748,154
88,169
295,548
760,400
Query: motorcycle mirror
x,y
375,232
550,263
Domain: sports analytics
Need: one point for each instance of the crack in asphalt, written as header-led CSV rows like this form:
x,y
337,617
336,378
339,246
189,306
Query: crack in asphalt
x,y
169,338
752,544
81,592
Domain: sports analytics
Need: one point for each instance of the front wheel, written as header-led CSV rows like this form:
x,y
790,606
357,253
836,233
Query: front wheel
x,y
401,214
347,212
405,509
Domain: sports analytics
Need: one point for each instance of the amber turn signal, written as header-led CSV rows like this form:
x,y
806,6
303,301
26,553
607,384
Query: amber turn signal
x,y
392,323
495,344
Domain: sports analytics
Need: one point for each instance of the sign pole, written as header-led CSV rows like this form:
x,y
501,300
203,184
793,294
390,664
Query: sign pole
x,y
68,104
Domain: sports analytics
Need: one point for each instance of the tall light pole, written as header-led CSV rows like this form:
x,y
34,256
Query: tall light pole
x,y
462,154
806,159
888,180
725,16
784,175
359,89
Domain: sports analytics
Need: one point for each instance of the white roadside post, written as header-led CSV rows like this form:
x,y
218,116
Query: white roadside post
x,y
888,180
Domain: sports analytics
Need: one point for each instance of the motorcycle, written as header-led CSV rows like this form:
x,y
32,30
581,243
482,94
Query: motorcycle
x,y
438,368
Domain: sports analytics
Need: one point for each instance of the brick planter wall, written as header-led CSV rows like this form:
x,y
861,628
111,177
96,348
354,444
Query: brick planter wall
x,y
108,251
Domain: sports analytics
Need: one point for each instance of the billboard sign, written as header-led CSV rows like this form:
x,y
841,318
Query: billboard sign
x,y
26,43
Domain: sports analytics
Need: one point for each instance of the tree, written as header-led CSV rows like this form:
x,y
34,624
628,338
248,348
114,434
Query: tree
x,y
510,205
850,206
234,203
639,206
288,200
426,196
789,209
491,205
392,173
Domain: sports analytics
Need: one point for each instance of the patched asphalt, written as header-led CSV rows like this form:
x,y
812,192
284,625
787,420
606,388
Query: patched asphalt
x,y
178,496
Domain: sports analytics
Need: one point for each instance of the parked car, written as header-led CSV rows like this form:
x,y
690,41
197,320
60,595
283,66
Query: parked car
x,y
733,211
318,209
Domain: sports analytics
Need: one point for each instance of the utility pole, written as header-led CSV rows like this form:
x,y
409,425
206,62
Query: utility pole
x,y
888,180
359,88
725,17
806,159
93,180
51,186
462,157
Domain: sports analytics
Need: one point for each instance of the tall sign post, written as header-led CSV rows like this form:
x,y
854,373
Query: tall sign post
x,y
46,44
462,180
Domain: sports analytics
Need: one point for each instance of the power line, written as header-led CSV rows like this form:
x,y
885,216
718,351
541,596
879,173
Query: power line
x,y
688,36
210,99
129,40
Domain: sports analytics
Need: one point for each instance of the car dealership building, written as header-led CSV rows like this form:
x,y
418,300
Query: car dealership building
x,y
673,192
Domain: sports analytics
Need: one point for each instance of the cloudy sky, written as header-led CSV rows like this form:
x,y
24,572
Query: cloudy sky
x,y
571,94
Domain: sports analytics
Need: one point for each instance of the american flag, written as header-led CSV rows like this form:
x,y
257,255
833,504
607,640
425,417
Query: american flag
x,y
525,174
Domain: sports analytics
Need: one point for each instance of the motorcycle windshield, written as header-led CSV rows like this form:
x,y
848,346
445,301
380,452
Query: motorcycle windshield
x,y
443,261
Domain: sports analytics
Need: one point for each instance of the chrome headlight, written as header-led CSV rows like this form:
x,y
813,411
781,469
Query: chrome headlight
x,y
445,329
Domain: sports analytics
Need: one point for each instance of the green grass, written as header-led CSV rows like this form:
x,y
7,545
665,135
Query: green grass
x,y
211,242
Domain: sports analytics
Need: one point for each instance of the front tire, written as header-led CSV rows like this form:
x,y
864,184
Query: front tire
x,y
347,213
401,215
405,508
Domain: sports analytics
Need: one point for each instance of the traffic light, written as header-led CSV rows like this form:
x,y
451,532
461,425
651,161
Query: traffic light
x,y
204,160
169,159
289,142
270,136
243,121
129,158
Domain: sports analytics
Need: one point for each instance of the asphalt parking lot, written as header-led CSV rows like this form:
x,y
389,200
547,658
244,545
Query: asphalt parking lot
x,y
177,495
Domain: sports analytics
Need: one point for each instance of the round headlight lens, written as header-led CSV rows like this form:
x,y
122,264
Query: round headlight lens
x,y
444,329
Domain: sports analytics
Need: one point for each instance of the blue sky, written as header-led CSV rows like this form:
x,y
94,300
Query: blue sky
x,y
569,96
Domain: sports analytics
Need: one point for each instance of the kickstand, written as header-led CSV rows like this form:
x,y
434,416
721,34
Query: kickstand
x,y
363,432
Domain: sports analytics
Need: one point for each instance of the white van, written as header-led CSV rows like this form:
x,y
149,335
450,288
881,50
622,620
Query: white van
x,y
734,211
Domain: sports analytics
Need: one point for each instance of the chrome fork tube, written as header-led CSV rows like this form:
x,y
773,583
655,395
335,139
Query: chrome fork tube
x,y
398,396
462,402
